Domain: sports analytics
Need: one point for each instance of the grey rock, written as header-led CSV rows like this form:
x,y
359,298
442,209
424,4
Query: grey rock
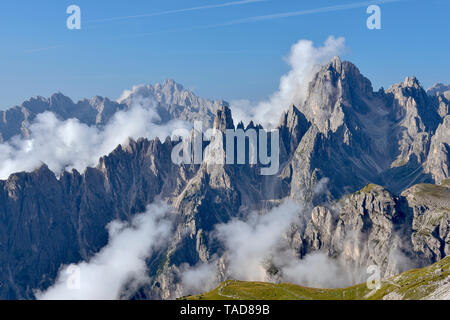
x,y
360,229
438,89
431,223
175,102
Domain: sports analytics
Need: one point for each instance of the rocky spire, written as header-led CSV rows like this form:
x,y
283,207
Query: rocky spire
x,y
336,85
223,119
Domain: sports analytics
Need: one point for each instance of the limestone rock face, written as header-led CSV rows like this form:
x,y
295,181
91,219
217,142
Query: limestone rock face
x,y
337,86
360,136
438,161
361,230
223,119
416,116
431,223
372,226
293,126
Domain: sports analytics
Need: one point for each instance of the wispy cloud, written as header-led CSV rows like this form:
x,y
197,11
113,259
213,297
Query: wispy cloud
x,y
232,22
167,12
307,12
275,16
43,49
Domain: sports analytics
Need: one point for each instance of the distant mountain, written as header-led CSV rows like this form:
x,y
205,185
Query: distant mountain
x,y
96,111
169,99
174,101
384,154
438,89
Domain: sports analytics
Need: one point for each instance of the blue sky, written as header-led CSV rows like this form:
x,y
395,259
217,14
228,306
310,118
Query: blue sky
x,y
202,50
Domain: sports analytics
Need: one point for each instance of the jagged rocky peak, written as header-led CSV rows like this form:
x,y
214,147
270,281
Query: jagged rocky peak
x,y
442,93
337,85
438,89
98,101
350,75
409,87
293,125
172,85
412,103
223,119
171,92
412,82
60,100
289,117
173,101
444,104
168,92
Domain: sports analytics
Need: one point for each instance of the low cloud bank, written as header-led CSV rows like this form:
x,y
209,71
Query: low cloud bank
x,y
251,242
70,144
259,249
119,269
198,279
304,60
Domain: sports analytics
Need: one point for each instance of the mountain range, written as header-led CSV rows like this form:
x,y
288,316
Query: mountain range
x,y
368,172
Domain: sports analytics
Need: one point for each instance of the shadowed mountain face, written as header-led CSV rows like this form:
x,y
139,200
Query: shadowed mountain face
x,y
359,136
344,134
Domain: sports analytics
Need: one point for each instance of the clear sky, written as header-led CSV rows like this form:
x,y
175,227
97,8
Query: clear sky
x,y
207,47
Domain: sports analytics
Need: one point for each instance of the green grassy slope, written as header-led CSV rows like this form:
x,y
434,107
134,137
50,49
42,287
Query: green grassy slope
x,y
432,282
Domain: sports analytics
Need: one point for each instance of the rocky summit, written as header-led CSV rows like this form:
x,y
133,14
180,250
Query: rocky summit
x,y
368,169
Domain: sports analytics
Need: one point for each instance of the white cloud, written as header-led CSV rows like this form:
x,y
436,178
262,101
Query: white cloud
x,y
258,245
318,270
120,267
200,278
304,60
249,243
63,145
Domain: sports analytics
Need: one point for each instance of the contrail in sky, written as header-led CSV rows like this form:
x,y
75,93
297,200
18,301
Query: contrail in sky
x,y
309,11
244,20
212,6
277,16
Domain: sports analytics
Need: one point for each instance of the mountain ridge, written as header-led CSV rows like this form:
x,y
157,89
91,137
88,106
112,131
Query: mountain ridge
x,y
169,100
